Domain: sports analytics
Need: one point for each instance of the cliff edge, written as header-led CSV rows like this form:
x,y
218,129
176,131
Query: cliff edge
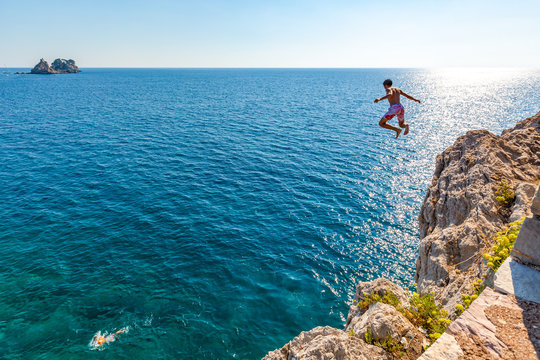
x,y
459,217
460,214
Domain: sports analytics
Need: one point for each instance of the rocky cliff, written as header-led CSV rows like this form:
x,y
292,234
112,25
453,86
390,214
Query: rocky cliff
x,y
459,216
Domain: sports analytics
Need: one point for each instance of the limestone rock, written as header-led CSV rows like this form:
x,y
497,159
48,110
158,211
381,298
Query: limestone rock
x,y
381,320
460,214
329,344
535,206
42,68
522,205
519,280
380,287
527,246
63,66
446,348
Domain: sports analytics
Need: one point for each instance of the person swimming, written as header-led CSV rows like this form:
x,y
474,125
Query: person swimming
x,y
101,339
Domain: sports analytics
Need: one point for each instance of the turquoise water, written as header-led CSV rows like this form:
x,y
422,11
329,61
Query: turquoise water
x,y
216,213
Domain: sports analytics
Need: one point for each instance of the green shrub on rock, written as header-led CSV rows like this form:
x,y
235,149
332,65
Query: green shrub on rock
x,y
504,194
388,344
388,298
504,241
425,313
422,312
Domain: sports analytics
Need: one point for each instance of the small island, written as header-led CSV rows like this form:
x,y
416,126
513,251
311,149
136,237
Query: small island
x,y
59,66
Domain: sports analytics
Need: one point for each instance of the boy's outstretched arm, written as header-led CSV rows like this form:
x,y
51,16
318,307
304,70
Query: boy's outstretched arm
x,y
382,98
408,96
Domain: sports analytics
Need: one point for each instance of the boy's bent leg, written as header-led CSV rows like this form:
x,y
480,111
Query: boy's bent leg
x,y
383,124
405,126
401,120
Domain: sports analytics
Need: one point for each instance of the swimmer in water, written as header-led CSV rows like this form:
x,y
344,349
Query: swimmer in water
x,y
99,340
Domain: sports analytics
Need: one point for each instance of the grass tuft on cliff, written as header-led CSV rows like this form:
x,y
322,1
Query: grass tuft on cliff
x,y
392,346
504,194
504,242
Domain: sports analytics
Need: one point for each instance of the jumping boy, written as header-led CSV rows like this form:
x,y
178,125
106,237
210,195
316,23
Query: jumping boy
x,y
392,94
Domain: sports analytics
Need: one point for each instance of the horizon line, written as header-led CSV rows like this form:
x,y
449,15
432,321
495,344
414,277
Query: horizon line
x,y
291,67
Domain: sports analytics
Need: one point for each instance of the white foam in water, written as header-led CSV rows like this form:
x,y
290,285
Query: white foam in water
x,y
148,320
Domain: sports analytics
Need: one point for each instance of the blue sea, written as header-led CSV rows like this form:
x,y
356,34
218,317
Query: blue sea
x,y
216,213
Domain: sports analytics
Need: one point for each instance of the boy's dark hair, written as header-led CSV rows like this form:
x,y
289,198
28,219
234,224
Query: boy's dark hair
x,y
387,82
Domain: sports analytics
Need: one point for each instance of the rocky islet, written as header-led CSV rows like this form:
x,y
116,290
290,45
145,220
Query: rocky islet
x,y
59,66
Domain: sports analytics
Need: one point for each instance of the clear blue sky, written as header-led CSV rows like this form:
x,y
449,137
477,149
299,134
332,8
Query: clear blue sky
x,y
271,33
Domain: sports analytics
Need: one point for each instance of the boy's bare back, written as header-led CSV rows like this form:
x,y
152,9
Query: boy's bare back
x,y
393,94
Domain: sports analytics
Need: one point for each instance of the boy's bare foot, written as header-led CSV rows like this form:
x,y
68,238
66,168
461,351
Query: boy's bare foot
x,y
398,131
406,129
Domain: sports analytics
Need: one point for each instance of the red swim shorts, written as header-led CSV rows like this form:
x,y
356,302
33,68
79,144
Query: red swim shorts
x,y
396,109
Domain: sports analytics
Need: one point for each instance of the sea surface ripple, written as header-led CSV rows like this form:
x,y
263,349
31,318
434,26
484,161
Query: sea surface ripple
x,y
216,213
